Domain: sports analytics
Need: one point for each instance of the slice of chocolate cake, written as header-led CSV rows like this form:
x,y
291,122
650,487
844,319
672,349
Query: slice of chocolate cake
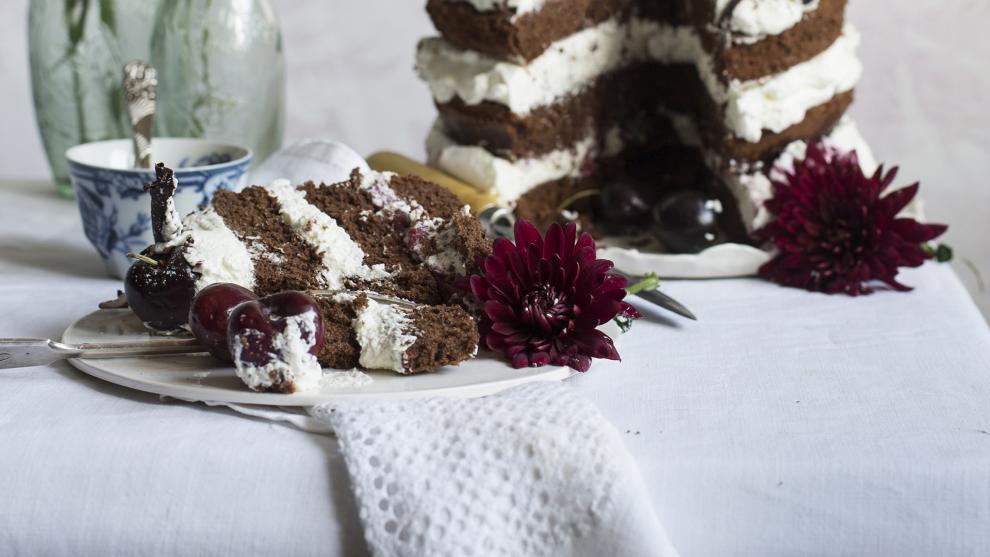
x,y
397,235
390,236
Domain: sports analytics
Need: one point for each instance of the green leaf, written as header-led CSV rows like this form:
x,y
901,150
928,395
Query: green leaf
x,y
75,13
649,282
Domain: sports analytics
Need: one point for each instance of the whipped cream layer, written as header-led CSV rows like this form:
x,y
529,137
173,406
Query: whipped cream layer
x,y
342,256
572,64
778,102
520,7
213,250
567,65
754,20
383,332
506,179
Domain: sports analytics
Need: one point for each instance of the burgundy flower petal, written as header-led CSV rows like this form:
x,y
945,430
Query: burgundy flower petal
x,y
629,311
539,359
579,362
553,242
521,360
497,311
899,199
527,234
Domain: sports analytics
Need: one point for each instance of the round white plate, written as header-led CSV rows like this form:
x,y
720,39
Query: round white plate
x,y
196,377
720,261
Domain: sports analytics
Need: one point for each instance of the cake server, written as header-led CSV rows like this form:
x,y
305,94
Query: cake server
x,y
497,219
28,352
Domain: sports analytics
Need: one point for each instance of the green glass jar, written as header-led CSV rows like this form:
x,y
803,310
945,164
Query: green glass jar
x,y
77,49
221,72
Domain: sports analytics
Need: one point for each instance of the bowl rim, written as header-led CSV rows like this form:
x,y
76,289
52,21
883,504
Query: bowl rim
x,y
72,158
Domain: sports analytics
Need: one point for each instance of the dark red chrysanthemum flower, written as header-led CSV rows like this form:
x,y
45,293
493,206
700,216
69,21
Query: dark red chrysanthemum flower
x,y
544,298
835,230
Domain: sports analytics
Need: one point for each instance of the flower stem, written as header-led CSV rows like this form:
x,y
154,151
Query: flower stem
x,y
75,14
976,273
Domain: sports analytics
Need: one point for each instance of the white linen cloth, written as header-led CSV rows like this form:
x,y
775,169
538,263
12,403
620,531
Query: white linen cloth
x,y
782,423
536,470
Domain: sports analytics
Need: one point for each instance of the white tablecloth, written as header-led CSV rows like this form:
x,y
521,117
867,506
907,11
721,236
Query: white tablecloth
x,y
782,423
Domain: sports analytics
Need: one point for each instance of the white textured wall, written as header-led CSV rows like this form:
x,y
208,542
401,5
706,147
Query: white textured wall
x,y
922,103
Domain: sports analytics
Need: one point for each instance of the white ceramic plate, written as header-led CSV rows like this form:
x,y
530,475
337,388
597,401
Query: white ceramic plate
x,y
203,378
720,261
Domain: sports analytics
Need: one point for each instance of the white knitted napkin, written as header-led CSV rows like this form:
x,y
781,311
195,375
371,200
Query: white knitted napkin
x,y
535,470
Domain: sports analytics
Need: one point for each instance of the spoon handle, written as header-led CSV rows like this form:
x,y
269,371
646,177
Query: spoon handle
x,y
140,81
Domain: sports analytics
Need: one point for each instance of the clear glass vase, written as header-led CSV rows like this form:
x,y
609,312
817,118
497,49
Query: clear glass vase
x,y
77,49
221,72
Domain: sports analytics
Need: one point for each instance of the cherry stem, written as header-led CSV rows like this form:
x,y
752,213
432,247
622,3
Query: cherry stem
x,y
577,197
143,258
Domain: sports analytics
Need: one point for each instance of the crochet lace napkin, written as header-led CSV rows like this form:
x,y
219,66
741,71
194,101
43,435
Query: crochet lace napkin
x,y
535,470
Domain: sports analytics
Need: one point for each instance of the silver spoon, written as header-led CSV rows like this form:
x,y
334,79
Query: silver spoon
x,y
140,81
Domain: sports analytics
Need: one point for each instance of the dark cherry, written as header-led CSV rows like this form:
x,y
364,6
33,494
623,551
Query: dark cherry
x,y
160,293
210,313
686,221
255,323
627,203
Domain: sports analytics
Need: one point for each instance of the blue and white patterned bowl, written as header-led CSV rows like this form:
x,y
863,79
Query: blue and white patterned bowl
x,y
116,211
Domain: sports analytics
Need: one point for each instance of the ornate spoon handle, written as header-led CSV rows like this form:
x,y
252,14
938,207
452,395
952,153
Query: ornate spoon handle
x,y
140,81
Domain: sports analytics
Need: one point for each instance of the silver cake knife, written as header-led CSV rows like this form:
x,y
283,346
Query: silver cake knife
x,y
657,297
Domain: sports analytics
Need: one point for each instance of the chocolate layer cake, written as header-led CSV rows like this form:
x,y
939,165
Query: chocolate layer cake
x,y
395,236
538,95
